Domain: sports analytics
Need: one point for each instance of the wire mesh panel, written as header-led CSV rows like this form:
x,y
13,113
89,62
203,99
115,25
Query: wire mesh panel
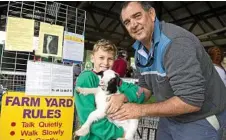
x,y
15,61
13,69
13,81
13,64
73,19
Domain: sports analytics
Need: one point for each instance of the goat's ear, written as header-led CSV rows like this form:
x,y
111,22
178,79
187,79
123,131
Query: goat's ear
x,y
100,73
112,86
118,80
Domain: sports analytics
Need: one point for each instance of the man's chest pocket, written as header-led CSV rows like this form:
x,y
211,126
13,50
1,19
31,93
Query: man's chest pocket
x,y
162,89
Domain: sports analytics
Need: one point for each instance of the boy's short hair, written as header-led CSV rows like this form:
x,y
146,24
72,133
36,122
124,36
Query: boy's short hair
x,y
105,45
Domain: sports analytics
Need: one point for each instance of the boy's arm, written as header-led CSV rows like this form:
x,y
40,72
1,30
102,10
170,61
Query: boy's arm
x,y
134,93
86,104
142,83
147,94
131,93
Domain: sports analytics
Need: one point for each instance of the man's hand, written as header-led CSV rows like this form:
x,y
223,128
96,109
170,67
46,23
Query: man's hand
x,y
127,111
115,102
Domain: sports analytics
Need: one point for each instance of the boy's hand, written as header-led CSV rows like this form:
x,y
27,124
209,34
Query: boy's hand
x,y
123,138
115,102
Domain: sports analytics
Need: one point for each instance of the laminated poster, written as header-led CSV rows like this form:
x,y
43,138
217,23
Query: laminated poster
x,y
48,79
19,34
73,47
50,40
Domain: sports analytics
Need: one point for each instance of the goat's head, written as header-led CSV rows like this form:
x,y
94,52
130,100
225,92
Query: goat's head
x,y
110,81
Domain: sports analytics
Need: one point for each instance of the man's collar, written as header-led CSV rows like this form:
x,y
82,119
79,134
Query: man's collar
x,y
155,37
157,32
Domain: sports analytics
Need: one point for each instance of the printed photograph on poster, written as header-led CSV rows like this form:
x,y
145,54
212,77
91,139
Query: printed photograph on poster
x,y
50,40
50,45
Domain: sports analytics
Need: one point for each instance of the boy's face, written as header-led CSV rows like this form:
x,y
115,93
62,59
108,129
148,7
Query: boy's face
x,y
102,60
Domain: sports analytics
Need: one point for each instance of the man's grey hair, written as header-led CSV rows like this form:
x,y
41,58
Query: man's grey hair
x,y
146,5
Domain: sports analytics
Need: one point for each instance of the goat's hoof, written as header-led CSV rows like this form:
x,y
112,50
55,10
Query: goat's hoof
x,y
82,131
78,89
121,139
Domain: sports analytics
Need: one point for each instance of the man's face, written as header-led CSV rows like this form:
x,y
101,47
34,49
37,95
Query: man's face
x,y
102,60
139,23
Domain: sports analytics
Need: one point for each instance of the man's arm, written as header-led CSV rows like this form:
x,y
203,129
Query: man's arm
x,y
171,107
147,94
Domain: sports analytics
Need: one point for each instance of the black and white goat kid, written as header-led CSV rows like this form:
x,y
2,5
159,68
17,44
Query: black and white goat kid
x,y
107,86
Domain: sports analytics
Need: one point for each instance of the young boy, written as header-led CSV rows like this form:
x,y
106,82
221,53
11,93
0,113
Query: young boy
x,y
102,57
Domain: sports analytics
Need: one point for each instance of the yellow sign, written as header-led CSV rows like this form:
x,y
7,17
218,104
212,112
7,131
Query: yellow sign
x,y
36,118
19,34
74,38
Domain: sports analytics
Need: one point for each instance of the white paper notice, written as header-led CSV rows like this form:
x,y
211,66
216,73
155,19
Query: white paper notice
x,y
35,43
48,79
73,47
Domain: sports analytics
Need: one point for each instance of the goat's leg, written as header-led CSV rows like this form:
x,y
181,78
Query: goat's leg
x,y
87,91
93,116
130,132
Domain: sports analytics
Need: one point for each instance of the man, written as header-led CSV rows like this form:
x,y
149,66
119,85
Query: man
x,y
120,64
217,55
191,98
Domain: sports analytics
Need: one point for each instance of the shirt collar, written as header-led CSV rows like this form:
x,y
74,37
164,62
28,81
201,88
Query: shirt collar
x,y
155,37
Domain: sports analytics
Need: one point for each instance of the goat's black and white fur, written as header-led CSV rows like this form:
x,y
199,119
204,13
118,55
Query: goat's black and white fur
x,y
108,86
